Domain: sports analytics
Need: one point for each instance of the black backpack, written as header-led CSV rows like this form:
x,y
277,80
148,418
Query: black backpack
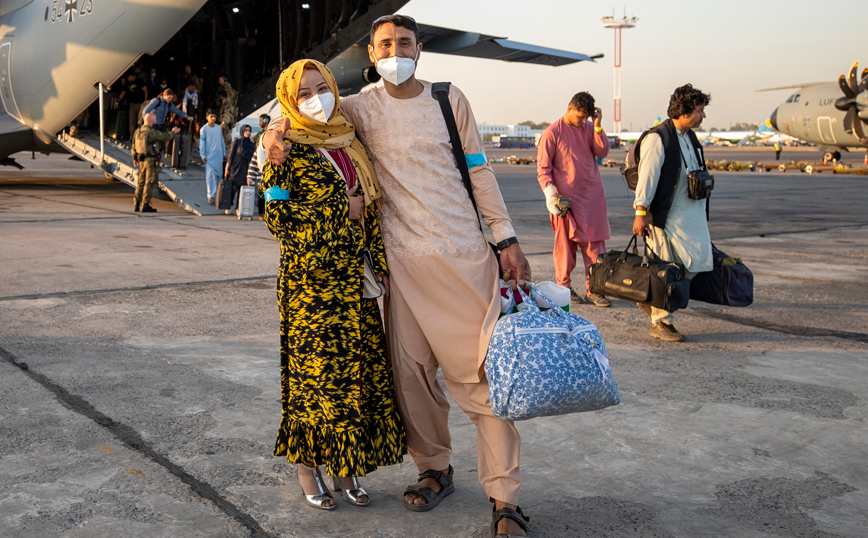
x,y
630,170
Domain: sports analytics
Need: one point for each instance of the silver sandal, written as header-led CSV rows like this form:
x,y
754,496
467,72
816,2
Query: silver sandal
x,y
324,494
352,495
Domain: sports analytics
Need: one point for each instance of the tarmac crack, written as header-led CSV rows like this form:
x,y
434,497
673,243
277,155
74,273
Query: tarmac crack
x,y
131,438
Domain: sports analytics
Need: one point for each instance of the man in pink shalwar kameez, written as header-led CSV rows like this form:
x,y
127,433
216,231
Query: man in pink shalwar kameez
x,y
568,173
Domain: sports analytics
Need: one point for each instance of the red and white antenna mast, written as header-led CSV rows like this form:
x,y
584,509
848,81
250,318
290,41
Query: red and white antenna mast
x,y
617,24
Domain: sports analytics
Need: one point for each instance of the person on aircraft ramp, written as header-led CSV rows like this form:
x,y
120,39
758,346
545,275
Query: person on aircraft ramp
x,y
161,106
212,150
135,94
227,101
146,157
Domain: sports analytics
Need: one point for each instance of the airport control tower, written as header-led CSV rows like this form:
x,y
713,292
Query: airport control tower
x,y
617,24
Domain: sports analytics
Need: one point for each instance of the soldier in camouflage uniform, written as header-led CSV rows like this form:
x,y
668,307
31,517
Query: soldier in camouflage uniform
x,y
227,101
146,157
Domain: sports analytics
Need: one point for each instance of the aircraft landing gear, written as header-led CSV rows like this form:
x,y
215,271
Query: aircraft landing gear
x,y
832,156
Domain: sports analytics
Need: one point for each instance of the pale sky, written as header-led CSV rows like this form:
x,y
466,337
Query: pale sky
x,y
726,48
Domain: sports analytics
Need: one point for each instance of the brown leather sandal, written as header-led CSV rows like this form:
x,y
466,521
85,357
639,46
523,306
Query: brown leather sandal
x,y
508,513
432,497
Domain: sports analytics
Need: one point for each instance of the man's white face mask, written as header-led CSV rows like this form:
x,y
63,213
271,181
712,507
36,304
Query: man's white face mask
x,y
319,107
397,70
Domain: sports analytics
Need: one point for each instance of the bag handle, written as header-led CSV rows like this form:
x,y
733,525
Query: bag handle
x,y
531,303
634,241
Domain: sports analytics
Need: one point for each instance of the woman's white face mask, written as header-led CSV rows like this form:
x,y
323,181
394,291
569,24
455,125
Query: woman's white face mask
x,y
319,107
397,70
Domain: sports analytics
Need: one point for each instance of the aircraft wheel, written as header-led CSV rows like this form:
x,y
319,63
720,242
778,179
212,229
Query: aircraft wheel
x,y
782,168
837,155
828,156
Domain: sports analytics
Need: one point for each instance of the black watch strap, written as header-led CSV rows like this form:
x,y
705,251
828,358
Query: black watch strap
x,y
506,242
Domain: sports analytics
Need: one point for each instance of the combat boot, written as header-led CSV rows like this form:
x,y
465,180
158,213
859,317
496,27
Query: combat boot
x,y
146,208
136,206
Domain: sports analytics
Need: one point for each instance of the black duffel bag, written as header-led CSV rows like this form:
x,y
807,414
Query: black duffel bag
x,y
640,279
729,283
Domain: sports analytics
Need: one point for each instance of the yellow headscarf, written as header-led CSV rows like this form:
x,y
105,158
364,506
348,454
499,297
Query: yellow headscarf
x,y
337,133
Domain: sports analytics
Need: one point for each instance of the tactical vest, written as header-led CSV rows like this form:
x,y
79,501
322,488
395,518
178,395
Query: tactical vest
x,y
143,149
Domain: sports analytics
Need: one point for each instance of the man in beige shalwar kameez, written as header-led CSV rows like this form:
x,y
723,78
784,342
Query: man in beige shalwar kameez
x,y
444,296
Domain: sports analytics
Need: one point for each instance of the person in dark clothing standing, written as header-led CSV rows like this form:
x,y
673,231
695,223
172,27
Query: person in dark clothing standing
x,y
239,160
135,94
191,78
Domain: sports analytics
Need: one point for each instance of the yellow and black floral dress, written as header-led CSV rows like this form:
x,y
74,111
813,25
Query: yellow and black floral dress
x,y
338,397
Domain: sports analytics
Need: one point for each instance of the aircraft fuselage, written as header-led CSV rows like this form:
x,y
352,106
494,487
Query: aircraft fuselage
x,y
810,115
53,54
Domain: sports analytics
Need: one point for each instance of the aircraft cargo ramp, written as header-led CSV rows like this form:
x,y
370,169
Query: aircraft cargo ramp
x,y
185,187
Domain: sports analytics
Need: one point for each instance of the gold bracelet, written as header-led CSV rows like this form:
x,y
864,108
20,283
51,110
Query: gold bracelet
x,y
641,212
598,129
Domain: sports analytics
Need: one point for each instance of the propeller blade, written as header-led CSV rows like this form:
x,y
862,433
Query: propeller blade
x,y
843,103
864,84
851,78
857,127
842,82
848,120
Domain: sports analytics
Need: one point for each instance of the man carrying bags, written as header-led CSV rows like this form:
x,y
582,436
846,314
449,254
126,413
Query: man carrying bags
x,y
674,222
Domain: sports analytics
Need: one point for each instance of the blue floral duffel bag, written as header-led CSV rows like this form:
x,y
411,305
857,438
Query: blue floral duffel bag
x,y
547,363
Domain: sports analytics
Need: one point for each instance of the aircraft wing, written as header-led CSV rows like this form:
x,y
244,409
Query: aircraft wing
x,y
477,45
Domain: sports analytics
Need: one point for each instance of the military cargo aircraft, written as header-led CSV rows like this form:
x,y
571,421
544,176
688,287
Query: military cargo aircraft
x,y
828,114
58,56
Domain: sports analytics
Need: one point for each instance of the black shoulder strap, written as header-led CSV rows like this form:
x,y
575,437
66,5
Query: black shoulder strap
x,y
697,148
700,156
440,91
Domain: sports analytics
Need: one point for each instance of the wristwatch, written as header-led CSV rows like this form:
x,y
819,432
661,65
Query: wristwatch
x,y
506,242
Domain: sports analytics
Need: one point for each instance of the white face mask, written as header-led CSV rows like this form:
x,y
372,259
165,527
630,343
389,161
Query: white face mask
x,y
319,107
397,70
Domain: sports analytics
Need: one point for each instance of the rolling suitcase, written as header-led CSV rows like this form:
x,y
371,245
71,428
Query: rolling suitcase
x,y
224,195
246,202
117,124
181,152
186,149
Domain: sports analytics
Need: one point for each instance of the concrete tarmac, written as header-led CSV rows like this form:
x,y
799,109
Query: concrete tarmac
x,y
149,403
